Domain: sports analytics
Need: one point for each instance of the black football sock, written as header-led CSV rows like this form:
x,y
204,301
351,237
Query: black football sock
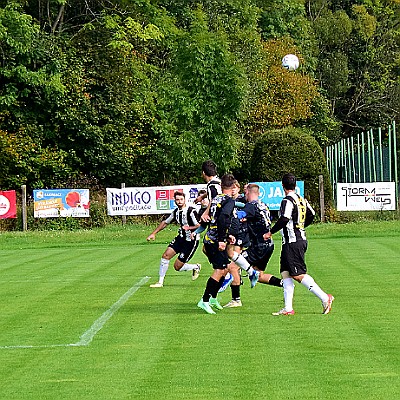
x,y
235,292
212,288
274,281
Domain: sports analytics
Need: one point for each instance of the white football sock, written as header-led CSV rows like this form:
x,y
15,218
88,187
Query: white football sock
x,y
288,292
310,284
164,264
240,261
188,267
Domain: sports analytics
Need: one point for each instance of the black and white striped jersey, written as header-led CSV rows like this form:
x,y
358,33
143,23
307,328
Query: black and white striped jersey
x,y
299,214
184,216
213,188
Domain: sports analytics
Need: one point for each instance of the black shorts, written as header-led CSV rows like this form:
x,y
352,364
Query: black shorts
x,y
242,240
184,248
292,258
217,258
259,255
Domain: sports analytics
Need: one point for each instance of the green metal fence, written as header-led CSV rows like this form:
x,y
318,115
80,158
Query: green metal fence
x,y
368,157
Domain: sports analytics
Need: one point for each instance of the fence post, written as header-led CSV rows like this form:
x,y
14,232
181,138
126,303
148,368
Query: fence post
x,y
24,209
321,197
380,152
396,180
124,216
364,156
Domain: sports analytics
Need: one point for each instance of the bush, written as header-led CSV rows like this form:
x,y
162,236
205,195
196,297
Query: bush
x,y
293,150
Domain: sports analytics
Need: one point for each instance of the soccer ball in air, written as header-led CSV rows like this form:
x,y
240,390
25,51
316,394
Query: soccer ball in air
x,y
290,62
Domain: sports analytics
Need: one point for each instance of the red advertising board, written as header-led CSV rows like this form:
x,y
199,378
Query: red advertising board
x,y
8,204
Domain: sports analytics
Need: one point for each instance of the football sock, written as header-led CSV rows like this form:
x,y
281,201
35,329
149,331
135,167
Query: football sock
x,y
239,260
235,289
211,290
288,292
310,284
187,267
164,264
274,281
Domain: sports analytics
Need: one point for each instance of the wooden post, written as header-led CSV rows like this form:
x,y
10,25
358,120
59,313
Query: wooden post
x,y
321,197
124,216
24,209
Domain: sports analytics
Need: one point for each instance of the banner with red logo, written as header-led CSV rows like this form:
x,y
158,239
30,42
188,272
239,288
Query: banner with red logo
x,y
8,204
61,203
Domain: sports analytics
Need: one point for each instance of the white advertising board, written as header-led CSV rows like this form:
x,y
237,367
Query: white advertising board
x,y
366,196
148,200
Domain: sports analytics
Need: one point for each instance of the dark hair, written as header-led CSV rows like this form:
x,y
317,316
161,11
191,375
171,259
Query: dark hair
x,y
179,194
289,182
209,168
227,181
202,191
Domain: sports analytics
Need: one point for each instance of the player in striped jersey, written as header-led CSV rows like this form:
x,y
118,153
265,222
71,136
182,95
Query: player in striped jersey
x,y
209,173
184,244
295,215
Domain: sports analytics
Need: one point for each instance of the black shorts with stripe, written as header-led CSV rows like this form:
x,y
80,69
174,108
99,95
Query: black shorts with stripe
x,y
259,255
292,258
184,248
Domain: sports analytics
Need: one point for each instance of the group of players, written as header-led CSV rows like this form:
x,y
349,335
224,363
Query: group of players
x,y
239,236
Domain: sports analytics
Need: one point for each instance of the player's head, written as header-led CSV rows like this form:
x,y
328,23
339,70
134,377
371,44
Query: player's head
x,y
252,191
179,199
236,188
289,182
227,183
209,168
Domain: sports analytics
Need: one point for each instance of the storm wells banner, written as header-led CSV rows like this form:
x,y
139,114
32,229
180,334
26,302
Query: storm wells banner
x,y
148,200
61,203
366,196
8,204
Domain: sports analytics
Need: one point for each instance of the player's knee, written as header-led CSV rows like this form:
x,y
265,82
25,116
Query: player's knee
x,y
178,265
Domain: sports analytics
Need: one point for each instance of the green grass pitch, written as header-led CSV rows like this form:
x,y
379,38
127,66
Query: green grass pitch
x,y
79,321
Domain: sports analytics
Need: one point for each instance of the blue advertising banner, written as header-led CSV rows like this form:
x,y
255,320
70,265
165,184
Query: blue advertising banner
x,y
271,193
61,203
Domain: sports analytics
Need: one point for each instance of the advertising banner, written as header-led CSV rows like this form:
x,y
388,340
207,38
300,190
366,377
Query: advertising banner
x,y
61,203
148,200
8,204
366,196
271,193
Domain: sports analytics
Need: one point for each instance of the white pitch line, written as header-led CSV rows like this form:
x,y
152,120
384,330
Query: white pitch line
x,y
87,337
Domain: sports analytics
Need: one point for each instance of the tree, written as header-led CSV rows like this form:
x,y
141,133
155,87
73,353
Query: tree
x,y
359,63
294,150
200,100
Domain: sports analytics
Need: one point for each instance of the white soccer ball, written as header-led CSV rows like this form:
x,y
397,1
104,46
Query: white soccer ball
x,y
290,62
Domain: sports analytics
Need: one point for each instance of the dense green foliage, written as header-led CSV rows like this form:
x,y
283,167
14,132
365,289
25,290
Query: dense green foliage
x,y
295,150
142,91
